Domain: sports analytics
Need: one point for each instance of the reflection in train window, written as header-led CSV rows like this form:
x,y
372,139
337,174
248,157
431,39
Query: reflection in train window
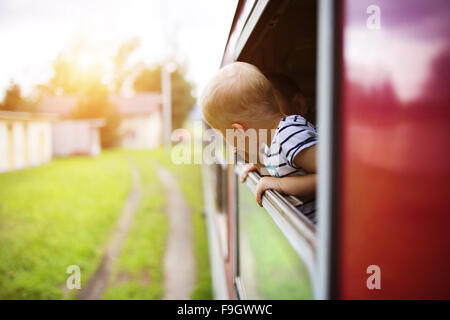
x,y
269,267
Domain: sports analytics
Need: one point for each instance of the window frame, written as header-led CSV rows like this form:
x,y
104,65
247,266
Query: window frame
x,y
327,90
221,206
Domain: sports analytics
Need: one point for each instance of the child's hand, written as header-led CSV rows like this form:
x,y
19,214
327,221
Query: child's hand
x,y
266,183
245,170
303,187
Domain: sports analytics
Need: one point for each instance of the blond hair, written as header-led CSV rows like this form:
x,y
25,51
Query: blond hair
x,y
239,91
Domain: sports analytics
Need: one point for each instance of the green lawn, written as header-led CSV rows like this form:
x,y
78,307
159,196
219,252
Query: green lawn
x,y
54,216
62,214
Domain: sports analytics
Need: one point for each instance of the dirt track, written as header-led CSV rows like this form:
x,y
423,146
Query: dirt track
x,y
179,259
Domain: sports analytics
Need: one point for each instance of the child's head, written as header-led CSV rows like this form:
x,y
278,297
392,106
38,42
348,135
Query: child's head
x,y
288,94
239,94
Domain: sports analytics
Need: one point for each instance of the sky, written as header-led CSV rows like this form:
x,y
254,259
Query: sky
x,y
32,33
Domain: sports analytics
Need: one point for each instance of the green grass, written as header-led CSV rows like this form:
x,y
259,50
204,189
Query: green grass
x,y
190,181
54,216
139,270
63,213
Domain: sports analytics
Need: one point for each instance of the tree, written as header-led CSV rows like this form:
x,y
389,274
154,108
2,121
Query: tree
x,y
14,101
75,69
149,79
76,72
122,69
94,103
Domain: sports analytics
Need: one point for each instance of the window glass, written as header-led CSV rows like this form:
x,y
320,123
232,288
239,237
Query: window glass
x,y
269,268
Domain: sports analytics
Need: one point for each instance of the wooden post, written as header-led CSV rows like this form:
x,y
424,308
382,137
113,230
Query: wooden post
x,y
166,89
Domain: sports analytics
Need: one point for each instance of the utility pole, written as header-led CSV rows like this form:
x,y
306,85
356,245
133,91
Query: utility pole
x,y
166,92
166,69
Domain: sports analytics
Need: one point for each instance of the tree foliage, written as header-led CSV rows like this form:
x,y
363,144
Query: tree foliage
x,y
94,103
14,101
122,69
88,85
71,73
149,79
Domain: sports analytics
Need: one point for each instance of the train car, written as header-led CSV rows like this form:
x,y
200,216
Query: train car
x,y
375,75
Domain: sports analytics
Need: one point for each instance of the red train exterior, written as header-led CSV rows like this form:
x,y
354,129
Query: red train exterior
x,y
394,150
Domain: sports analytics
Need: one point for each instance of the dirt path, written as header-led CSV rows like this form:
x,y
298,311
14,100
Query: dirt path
x,y
179,260
99,280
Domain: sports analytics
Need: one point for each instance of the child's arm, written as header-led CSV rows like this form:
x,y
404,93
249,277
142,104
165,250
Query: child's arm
x,y
301,186
306,159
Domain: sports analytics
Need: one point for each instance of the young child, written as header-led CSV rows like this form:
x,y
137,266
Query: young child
x,y
241,98
289,96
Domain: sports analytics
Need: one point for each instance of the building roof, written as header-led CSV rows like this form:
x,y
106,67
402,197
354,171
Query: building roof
x,y
139,104
94,123
27,116
61,105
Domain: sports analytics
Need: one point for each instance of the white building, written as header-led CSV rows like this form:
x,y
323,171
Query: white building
x,y
76,137
141,122
71,137
25,139
140,127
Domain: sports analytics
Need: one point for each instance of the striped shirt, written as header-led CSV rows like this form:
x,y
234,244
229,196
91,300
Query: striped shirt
x,y
293,135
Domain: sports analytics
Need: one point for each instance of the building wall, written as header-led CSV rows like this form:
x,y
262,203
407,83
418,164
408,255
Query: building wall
x,y
18,136
4,154
40,134
96,147
75,137
141,132
24,144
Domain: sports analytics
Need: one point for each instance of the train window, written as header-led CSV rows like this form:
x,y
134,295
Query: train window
x,y
283,41
276,246
275,249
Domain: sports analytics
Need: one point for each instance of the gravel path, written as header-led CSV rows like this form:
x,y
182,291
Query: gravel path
x,y
179,260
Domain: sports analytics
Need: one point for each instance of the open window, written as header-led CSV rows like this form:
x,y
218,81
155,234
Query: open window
x,y
276,245
283,40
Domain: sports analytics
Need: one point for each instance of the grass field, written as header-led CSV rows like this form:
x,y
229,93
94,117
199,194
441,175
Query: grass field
x,y
63,213
54,216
